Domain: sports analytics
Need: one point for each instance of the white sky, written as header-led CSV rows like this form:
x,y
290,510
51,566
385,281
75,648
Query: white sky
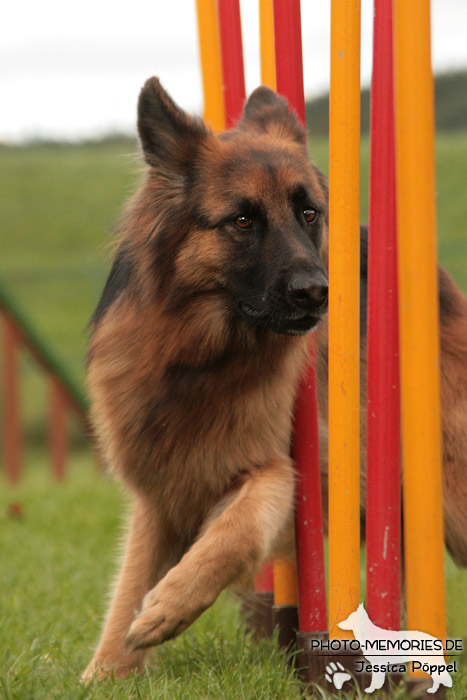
x,y
69,70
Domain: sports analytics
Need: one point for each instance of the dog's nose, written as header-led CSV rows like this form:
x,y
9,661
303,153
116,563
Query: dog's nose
x,y
308,289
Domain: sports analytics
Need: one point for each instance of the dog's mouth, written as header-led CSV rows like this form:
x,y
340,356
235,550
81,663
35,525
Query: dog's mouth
x,y
291,324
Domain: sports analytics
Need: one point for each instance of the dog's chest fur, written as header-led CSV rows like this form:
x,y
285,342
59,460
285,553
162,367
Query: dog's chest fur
x,y
201,425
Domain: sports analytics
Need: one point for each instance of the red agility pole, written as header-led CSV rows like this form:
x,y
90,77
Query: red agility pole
x,y
383,527
233,78
288,47
309,522
308,526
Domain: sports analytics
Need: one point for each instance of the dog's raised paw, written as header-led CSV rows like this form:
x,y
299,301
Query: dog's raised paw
x,y
337,675
150,627
163,615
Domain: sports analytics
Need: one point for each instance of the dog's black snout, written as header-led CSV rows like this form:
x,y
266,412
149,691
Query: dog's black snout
x,y
308,289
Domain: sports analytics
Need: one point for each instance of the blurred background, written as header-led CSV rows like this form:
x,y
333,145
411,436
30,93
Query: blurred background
x,y
69,82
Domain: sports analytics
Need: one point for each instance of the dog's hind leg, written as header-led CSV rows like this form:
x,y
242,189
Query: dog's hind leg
x,y
237,537
145,561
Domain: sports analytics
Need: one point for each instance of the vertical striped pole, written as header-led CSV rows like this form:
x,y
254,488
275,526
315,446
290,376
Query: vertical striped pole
x,y
266,39
418,318
383,565
211,71
11,425
344,337
233,79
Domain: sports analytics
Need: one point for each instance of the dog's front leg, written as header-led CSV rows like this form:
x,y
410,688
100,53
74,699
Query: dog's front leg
x,y
237,537
147,558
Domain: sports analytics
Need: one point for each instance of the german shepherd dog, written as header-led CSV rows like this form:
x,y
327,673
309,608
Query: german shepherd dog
x,y
198,344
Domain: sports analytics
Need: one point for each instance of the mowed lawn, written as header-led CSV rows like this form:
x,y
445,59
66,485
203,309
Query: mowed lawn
x,y
58,557
59,554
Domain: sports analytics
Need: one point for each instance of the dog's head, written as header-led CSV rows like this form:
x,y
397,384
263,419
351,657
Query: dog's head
x,y
244,212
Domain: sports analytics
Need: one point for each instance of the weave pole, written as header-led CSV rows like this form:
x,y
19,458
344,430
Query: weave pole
x,y
344,332
266,42
233,79
418,318
383,564
288,53
211,71
308,523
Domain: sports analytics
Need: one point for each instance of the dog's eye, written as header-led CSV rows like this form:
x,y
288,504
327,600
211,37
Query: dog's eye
x,y
243,222
309,215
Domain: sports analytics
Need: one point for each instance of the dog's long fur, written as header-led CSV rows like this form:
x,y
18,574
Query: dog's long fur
x,y
198,344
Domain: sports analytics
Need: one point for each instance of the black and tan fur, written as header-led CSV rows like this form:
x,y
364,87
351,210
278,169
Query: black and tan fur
x,y
198,344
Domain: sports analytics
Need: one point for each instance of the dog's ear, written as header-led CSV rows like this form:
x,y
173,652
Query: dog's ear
x,y
267,112
169,136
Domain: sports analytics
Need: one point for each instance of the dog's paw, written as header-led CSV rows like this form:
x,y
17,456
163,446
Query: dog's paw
x,y
337,675
120,666
97,669
165,613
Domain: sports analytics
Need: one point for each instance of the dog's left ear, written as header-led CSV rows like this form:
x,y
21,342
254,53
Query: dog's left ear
x,y
267,112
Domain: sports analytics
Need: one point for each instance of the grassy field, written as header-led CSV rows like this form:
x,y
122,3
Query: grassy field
x,y
58,559
57,206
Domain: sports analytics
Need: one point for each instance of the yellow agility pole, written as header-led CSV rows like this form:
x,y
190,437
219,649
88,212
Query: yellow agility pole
x,y
344,332
210,64
285,570
418,319
266,37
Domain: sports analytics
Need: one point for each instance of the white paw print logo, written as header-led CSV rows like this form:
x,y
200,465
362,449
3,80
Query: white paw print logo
x,y
336,674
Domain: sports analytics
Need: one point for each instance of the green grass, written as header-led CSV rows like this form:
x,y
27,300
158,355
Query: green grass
x,y
57,563
57,206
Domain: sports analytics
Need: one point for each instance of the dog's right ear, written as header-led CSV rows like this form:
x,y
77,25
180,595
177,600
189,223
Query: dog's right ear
x,y
267,112
169,136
